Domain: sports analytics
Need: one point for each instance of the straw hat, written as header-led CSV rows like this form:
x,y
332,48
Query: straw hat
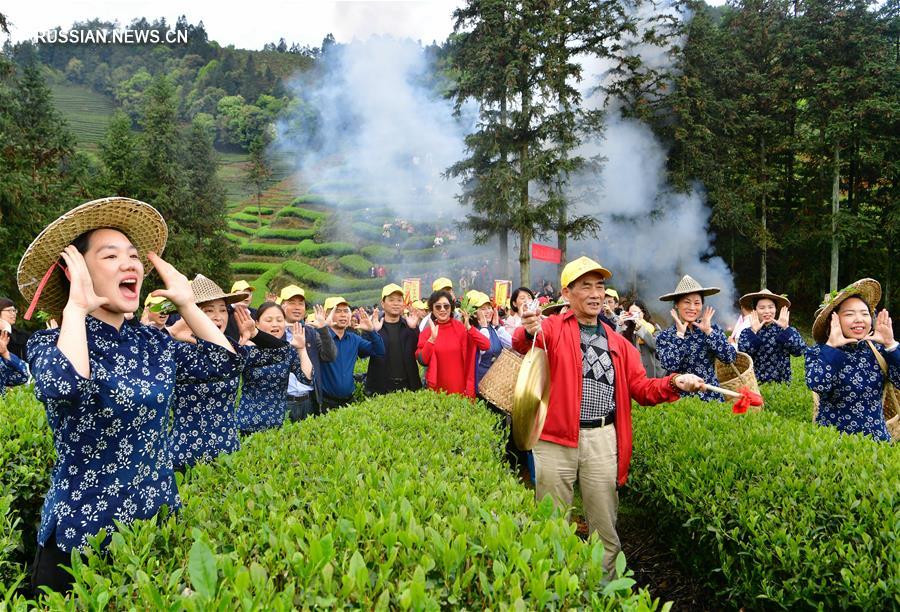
x,y
867,289
205,290
554,307
687,286
142,223
746,301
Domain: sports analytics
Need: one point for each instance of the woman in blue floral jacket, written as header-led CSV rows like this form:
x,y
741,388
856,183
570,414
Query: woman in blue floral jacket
x,y
770,340
107,386
263,395
693,343
851,362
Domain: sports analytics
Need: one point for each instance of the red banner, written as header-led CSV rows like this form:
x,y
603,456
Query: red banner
x,y
543,252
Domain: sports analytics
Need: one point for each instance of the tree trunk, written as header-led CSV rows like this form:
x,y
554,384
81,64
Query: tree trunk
x,y
835,209
503,268
525,231
503,234
763,271
562,238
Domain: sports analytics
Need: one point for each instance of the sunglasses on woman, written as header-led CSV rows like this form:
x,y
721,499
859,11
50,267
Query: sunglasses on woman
x,y
442,306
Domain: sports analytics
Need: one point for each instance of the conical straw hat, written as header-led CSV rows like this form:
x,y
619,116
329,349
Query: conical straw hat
x,y
142,223
205,290
867,289
780,300
686,286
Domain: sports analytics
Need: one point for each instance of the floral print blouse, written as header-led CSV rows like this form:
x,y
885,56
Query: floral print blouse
x,y
12,372
695,354
850,383
262,403
110,431
771,348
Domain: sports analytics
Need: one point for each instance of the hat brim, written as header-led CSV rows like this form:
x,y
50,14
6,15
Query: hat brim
x,y
142,223
552,309
606,274
746,301
704,291
230,298
867,289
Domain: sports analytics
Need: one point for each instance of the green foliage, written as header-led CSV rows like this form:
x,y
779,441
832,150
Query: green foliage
x,y
775,512
400,502
357,264
243,216
307,275
264,248
251,267
366,231
310,198
26,456
301,213
309,248
87,112
285,233
241,229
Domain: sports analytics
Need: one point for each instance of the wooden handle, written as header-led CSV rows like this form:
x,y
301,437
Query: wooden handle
x,y
725,392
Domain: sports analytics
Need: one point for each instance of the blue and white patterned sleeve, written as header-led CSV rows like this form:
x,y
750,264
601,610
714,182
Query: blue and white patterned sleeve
x,y
15,372
749,342
54,375
256,357
205,362
670,350
791,339
718,343
823,364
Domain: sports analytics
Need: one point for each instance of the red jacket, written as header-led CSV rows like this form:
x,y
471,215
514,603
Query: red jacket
x,y
451,358
561,337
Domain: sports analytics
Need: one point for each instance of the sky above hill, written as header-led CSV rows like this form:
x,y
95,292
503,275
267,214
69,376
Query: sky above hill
x,y
251,25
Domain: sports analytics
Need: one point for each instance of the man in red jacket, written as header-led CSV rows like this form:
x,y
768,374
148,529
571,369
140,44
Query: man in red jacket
x,y
594,375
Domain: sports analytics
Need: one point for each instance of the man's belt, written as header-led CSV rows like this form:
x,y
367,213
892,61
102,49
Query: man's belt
x,y
609,419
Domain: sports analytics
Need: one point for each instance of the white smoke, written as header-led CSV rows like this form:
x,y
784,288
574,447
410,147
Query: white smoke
x,y
651,234
384,132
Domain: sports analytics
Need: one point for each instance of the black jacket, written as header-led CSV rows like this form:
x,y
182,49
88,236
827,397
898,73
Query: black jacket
x,y
378,375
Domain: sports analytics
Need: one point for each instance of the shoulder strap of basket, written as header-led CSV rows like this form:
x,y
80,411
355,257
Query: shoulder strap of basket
x,y
888,403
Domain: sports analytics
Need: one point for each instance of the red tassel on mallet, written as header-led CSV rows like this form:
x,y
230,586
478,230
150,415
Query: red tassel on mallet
x,y
744,396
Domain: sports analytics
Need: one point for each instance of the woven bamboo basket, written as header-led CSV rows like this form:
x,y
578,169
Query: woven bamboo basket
x,y
733,376
498,385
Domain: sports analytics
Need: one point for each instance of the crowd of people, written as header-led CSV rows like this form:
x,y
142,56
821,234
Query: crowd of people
x,y
130,400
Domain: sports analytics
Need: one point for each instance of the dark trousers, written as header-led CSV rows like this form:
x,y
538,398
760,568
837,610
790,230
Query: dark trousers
x,y
300,408
330,403
47,569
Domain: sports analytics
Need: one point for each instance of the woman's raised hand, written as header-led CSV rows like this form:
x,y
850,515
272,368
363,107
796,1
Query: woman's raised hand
x,y
81,291
178,287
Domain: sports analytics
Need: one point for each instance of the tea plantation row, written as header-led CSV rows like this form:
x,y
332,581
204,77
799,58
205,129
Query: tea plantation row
x,y
398,502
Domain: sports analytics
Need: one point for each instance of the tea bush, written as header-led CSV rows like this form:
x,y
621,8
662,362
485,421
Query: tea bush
x,y
776,511
400,502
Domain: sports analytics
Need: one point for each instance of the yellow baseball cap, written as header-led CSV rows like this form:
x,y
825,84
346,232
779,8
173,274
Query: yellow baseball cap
x,y
477,298
440,283
153,301
311,318
578,268
420,305
289,292
334,301
389,289
242,285
612,293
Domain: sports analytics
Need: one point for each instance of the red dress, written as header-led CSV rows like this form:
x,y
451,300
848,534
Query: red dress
x,y
451,358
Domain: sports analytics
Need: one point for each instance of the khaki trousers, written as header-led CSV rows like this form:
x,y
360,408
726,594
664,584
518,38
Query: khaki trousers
x,y
593,465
